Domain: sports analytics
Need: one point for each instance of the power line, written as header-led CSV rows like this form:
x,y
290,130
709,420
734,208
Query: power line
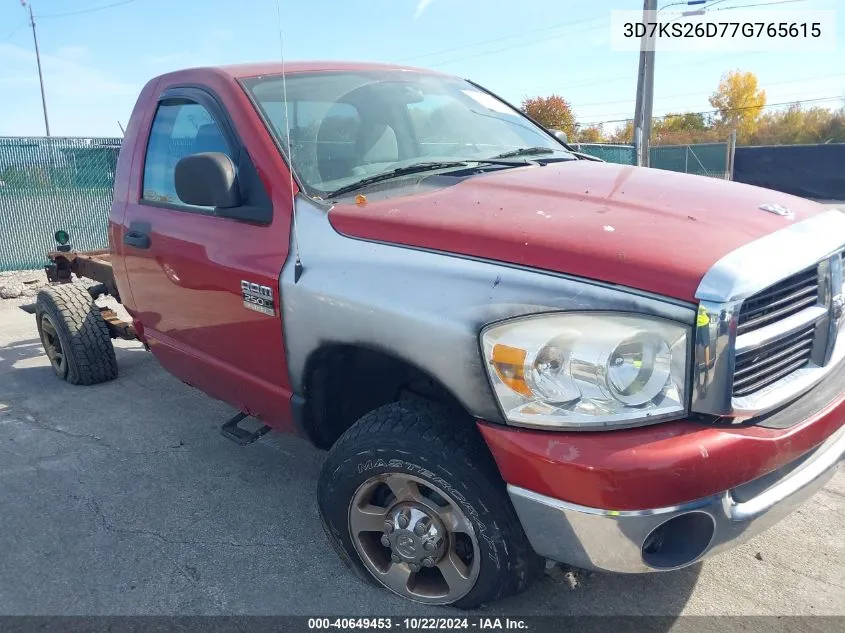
x,y
628,76
501,39
9,36
676,111
769,105
695,94
686,3
761,4
91,10
511,47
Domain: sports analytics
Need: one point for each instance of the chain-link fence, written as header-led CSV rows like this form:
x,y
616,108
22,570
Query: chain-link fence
x,y
704,159
53,183
621,154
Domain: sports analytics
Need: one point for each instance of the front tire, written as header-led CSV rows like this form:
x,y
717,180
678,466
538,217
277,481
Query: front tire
x,y
412,500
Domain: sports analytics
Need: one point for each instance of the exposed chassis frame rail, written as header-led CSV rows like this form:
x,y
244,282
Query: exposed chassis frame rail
x,y
95,265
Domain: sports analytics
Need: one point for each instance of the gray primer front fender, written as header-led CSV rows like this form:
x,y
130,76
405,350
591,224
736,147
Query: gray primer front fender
x,y
425,308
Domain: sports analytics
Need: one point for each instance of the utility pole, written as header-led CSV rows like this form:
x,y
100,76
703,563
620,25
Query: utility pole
x,y
38,61
645,89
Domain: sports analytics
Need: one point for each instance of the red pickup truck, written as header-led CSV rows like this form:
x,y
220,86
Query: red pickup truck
x,y
511,352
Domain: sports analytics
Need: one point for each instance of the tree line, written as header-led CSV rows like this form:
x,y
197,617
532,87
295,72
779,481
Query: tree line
x,y
739,105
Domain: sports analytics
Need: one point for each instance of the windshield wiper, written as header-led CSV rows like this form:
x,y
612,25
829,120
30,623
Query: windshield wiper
x,y
525,151
418,168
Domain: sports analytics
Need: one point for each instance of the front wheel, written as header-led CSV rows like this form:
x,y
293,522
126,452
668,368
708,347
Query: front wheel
x,y
412,500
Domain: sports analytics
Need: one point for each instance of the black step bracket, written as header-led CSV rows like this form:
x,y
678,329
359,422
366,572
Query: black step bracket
x,y
239,435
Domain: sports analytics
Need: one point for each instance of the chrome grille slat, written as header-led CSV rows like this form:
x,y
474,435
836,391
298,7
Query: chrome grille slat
x,y
760,366
762,375
802,346
772,378
764,299
793,281
766,364
803,291
777,314
780,300
773,332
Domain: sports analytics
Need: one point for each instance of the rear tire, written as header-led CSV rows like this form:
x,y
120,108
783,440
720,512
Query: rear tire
x,y
418,462
75,335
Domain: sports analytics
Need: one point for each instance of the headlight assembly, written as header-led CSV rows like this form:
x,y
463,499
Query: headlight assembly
x,y
587,370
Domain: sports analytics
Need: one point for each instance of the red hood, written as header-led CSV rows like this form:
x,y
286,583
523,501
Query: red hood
x,y
650,229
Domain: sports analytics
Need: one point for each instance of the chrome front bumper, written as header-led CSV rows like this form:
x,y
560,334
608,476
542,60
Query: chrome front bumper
x,y
610,540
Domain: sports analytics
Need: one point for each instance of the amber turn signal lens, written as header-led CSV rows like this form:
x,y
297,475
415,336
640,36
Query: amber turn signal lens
x,y
509,363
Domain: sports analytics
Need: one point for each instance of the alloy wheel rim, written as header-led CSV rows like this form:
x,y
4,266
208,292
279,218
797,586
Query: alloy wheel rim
x,y
414,539
52,345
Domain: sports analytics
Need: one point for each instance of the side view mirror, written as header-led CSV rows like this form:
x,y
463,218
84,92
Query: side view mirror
x,y
559,135
207,179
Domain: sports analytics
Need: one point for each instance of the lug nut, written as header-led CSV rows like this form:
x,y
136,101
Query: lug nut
x,y
413,567
388,526
385,540
395,558
428,561
432,544
421,527
403,519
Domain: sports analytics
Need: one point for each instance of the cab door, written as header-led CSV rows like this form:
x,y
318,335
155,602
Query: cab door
x,y
188,266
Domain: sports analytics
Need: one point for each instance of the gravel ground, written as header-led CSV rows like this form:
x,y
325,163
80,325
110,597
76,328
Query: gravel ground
x,y
25,283
22,286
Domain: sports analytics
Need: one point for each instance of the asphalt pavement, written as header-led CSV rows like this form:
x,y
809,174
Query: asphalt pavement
x,y
124,499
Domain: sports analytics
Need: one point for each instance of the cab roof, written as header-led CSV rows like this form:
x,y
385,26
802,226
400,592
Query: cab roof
x,y
240,71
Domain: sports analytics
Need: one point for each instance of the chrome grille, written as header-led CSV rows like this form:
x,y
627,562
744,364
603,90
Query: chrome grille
x,y
760,367
774,328
779,301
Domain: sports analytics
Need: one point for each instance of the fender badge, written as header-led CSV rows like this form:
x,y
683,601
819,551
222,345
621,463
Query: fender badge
x,y
778,209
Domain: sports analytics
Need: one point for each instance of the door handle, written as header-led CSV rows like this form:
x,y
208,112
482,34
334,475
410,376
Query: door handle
x,y
138,239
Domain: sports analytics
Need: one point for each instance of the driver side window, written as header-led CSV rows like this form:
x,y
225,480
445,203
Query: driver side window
x,y
178,130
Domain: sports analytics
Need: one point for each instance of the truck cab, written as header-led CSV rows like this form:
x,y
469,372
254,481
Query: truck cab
x,y
511,352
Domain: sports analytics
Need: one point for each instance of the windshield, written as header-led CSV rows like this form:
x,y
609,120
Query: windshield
x,y
347,126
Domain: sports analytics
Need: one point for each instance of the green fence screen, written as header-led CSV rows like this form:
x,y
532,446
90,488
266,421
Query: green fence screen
x,y
706,159
621,154
53,183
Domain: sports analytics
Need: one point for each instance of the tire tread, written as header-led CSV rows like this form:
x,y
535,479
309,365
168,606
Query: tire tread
x,y
88,346
457,439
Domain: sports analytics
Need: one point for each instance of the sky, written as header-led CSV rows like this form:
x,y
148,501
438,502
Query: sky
x,y
97,57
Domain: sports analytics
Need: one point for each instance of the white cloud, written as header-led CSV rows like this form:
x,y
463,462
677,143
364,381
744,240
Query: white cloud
x,y
73,53
422,5
81,99
64,74
165,60
209,51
